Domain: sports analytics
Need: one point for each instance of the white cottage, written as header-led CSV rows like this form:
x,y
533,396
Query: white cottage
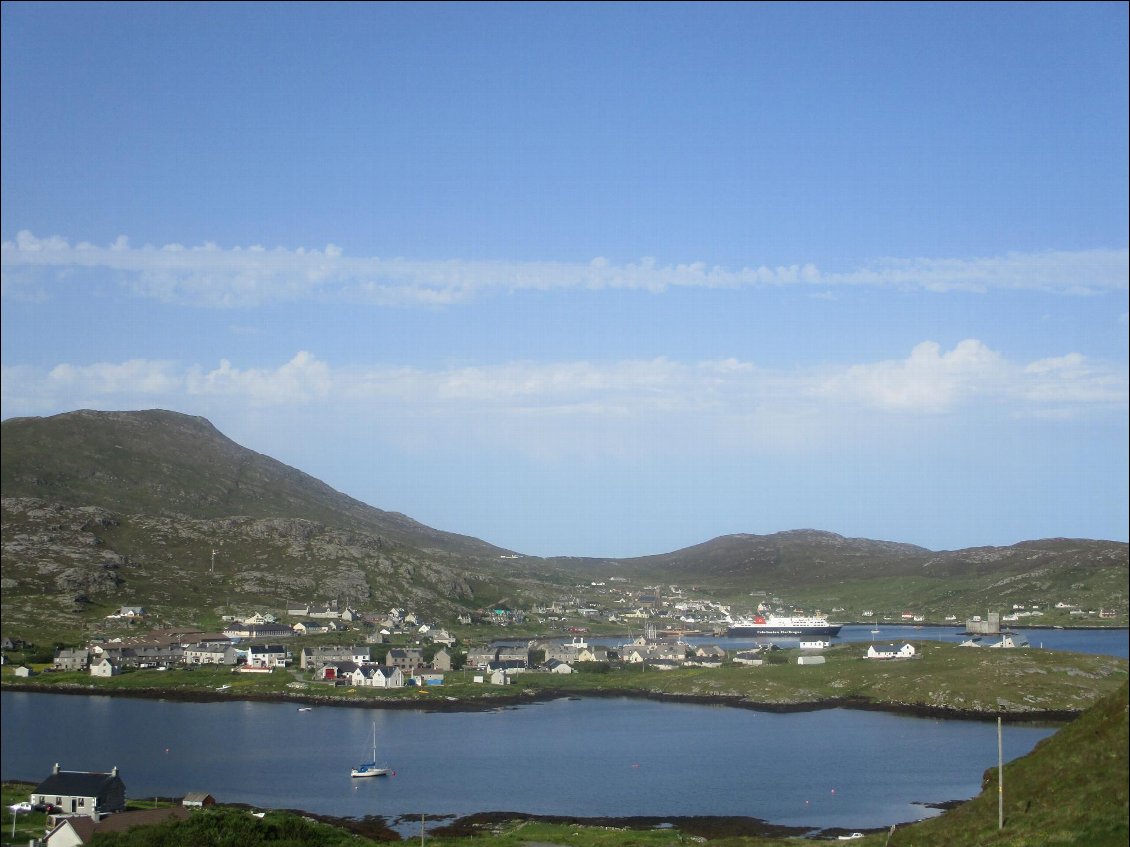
x,y
890,651
104,667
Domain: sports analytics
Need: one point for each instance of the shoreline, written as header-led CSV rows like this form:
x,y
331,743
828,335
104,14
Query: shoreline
x,y
709,827
918,710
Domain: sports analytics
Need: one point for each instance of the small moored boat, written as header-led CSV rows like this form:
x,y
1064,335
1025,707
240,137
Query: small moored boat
x,y
369,768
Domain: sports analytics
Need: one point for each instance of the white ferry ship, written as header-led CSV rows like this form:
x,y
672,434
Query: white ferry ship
x,y
782,625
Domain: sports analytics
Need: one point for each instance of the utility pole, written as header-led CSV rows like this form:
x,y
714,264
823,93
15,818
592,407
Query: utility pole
x,y
1000,777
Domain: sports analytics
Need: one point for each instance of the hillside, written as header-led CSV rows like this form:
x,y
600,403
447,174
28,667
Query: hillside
x,y
159,509
102,509
165,464
823,569
1070,790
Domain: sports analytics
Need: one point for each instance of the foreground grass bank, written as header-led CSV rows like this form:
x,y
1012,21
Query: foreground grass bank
x,y
942,679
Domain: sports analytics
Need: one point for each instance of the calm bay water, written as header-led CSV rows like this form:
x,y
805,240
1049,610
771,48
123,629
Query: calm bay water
x,y
567,757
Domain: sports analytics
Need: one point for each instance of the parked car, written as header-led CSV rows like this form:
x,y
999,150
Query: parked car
x,y
20,808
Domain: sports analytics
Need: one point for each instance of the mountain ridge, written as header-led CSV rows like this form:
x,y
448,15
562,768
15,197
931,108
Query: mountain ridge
x,y
251,490
160,508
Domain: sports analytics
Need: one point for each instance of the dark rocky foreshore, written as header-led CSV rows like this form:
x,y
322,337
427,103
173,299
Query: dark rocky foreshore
x,y
444,704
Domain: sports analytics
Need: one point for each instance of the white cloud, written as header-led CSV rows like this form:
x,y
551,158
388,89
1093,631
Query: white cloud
x,y
302,380
928,381
591,409
1066,272
210,276
137,376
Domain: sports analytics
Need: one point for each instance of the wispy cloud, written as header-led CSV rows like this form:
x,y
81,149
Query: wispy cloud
x,y
242,277
619,407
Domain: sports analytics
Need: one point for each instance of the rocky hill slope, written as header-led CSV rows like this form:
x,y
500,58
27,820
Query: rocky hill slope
x,y
160,509
167,464
155,508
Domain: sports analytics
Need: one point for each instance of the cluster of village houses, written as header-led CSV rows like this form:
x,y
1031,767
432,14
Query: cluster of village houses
x,y
248,646
257,643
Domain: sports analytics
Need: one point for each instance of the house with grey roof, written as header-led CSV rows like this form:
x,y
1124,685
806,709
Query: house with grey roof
x,y
73,831
405,658
558,666
316,657
594,653
210,653
337,670
512,667
72,659
710,651
441,661
312,627
514,653
480,657
82,792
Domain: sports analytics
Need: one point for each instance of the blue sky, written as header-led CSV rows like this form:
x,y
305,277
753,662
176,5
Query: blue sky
x,y
601,280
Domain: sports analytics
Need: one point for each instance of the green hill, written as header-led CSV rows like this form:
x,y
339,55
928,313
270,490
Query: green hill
x,y
1071,790
159,509
825,570
166,464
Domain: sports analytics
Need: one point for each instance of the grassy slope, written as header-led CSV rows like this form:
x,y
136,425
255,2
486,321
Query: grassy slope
x,y
1071,790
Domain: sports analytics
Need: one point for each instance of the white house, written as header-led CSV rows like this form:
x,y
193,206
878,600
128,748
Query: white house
x,y
268,656
103,667
890,651
385,677
558,666
814,644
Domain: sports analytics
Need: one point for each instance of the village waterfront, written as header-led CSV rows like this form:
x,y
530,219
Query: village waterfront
x,y
570,757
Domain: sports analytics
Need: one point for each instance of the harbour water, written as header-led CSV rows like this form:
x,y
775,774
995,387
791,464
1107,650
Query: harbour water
x,y
1104,642
587,758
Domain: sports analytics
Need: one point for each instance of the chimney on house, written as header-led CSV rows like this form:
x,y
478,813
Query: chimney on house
x,y
114,772
55,769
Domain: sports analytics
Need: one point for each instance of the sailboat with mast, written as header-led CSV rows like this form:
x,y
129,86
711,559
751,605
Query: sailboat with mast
x,y
370,768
